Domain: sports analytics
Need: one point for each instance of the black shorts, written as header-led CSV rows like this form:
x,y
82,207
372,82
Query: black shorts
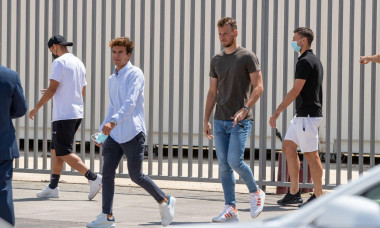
x,y
63,132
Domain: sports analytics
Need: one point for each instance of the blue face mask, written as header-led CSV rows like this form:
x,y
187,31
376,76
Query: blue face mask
x,y
99,137
295,46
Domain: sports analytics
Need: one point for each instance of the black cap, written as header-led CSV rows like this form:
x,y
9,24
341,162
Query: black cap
x,y
58,39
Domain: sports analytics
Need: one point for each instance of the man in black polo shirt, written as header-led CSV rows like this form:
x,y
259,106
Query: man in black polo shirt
x,y
303,129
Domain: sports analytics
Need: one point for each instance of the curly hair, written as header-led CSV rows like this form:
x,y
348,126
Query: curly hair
x,y
124,42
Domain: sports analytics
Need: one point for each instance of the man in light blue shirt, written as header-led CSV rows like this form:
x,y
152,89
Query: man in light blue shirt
x,y
125,125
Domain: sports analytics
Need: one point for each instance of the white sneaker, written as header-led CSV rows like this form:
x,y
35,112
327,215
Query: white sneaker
x,y
47,192
229,214
101,221
95,186
257,202
167,211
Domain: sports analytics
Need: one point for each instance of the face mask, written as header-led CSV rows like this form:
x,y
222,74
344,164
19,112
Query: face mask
x,y
99,137
295,46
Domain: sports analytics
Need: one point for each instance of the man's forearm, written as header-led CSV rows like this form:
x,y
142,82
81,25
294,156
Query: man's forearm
x,y
289,98
254,97
210,103
49,93
375,58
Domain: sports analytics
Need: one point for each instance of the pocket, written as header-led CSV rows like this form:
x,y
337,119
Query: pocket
x,y
312,125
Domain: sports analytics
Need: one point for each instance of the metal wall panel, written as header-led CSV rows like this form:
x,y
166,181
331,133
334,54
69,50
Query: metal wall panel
x,y
174,42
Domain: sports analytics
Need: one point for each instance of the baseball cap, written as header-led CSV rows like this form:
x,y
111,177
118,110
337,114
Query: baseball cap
x,y
58,39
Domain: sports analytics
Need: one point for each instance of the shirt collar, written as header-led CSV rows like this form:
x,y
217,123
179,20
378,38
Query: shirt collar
x,y
305,53
124,69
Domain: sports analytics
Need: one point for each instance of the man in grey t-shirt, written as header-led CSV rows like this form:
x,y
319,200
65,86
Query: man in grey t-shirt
x,y
233,71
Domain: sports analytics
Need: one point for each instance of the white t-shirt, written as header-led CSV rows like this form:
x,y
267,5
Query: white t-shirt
x,y
70,72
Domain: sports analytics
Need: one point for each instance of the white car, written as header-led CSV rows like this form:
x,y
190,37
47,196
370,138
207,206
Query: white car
x,y
356,204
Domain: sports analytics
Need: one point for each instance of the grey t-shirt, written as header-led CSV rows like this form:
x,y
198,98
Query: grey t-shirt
x,y
232,71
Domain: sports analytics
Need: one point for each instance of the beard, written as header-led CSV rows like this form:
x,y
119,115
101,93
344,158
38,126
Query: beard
x,y
229,44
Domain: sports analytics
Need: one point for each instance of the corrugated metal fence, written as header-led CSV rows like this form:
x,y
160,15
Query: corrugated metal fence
x,y
174,41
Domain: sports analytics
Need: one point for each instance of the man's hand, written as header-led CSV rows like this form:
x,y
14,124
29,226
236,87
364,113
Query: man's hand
x,y
273,118
107,128
97,144
33,113
364,60
239,116
207,130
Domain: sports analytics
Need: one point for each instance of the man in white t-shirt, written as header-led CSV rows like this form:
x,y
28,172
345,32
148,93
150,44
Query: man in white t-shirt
x,y
67,87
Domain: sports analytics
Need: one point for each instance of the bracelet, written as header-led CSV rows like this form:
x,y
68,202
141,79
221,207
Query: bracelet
x,y
247,108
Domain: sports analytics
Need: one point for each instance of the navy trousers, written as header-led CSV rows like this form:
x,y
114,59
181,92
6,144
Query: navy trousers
x,y
6,198
134,151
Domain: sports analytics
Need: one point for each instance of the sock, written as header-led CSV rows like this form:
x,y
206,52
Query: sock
x,y
54,181
90,175
168,200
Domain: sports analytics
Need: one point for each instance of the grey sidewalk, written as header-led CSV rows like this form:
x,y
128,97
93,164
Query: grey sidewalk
x,y
133,207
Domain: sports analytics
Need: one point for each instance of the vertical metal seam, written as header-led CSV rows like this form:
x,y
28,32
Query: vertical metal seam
x,y
171,85
328,94
180,86
373,85
93,82
36,80
274,87
151,87
339,97
191,91
285,83
362,83
350,89
161,88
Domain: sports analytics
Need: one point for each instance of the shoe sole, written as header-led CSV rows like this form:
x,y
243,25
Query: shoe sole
x,y
227,221
47,196
284,204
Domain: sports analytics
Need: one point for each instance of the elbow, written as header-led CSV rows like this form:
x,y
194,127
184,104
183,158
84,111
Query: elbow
x,y
295,92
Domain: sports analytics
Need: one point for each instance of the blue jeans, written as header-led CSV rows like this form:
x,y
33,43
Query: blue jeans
x,y
134,151
230,145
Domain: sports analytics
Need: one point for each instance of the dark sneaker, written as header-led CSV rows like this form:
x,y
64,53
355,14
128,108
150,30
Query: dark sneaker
x,y
291,199
312,197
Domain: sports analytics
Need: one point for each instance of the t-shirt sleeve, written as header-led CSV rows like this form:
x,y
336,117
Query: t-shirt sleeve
x,y
253,63
303,69
212,68
57,70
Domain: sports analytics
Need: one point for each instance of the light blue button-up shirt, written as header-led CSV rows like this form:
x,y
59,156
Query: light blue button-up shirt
x,y
126,107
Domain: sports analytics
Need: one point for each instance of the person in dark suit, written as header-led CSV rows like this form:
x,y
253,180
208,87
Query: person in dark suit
x,y
12,106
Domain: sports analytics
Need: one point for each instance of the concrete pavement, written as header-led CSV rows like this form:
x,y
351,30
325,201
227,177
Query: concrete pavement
x,y
133,207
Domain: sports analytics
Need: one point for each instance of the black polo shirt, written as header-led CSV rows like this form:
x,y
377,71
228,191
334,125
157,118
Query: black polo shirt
x,y
309,101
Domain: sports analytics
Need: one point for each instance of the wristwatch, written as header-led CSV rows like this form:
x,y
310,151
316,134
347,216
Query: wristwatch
x,y
113,121
247,108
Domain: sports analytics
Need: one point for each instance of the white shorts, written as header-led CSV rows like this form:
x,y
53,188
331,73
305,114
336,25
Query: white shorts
x,y
303,131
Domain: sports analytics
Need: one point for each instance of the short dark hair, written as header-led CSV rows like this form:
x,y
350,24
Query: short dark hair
x,y
227,21
124,42
305,32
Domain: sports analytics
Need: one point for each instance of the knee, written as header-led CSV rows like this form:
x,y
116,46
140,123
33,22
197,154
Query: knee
x,y
236,164
108,177
137,177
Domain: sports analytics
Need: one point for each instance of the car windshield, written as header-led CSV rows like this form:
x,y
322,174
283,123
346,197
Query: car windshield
x,y
373,194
